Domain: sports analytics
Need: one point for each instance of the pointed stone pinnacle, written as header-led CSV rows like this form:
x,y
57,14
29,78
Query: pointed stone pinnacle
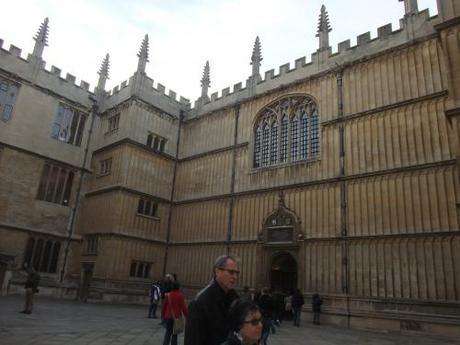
x,y
41,40
105,66
144,50
206,79
256,57
42,34
323,23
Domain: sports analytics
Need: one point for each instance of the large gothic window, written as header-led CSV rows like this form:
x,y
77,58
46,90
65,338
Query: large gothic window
x,y
286,131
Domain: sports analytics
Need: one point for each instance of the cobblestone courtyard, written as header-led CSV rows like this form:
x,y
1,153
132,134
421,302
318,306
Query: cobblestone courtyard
x,y
57,322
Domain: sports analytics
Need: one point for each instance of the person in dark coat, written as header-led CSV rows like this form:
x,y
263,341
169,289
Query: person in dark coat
x,y
245,324
265,304
31,287
208,317
316,302
297,303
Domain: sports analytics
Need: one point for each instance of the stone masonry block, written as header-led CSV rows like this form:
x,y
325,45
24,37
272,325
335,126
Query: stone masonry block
x,y
237,87
284,69
1,43
384,31
363,38
269,74
225,92
123,84
84,85
214,96
15,51
343,46
70,78
172,94
56,71
300,62
161,88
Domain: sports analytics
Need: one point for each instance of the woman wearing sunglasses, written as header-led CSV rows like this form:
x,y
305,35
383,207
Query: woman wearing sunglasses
x,y
245,324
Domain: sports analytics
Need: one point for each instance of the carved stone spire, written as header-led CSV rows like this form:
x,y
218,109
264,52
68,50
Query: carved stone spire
x,y
41,39
103,73
143,55
410,7
205,81
323,29
256,58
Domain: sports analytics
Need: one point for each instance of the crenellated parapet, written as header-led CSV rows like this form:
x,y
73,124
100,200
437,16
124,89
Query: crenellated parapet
x,y
143,87
412,27
26,69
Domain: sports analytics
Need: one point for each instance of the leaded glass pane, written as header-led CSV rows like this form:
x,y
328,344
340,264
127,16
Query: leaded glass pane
x,y
304,136
294,138
274,143
284,139
265,145
314,134
257,146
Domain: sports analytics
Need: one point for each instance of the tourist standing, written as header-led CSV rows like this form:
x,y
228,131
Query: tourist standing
x,y
316,302
154,295
31,288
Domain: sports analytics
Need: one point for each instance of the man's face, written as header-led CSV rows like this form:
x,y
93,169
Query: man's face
x,y
227,277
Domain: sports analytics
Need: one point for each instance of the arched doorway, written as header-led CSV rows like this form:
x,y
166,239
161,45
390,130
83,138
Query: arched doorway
x,y
283,274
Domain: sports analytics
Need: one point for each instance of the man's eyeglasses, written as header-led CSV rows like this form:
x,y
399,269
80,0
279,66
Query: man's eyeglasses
x,y
232,272
254,322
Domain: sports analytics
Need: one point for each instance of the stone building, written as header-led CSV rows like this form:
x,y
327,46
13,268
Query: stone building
x,y
339,176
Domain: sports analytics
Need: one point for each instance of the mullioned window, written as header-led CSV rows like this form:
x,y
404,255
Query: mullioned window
x,y
286,131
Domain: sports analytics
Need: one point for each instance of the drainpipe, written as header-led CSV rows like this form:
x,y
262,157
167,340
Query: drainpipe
x,y
73,211
343,196
171,198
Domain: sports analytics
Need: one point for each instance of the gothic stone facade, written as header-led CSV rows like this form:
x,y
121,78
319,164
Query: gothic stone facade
x,y
339,176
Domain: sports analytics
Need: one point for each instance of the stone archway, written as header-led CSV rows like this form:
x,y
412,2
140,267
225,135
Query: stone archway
x,y
283,272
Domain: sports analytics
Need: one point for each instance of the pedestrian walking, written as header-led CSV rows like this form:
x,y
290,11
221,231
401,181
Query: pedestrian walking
x,y
208,319
297,303
173,314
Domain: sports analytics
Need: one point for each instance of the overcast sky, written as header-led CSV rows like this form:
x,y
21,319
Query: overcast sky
x,y
183,34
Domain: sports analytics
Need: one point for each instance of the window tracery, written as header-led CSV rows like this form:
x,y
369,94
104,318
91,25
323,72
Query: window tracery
x,y
287,131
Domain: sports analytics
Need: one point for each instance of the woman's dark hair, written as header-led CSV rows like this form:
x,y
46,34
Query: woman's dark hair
x,y
175,285
238,313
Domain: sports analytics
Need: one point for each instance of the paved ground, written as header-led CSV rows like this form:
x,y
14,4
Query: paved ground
x,y
56,322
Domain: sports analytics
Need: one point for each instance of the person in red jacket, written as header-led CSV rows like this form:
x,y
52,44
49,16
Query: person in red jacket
x,y
174,307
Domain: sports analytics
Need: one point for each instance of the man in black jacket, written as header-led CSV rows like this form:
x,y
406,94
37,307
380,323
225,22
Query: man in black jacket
x,y
31,287
208,315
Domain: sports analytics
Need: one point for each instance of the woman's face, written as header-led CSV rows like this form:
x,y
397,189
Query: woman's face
x,y
252,328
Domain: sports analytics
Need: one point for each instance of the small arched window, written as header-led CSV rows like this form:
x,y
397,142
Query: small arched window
x,y
149,140
287,131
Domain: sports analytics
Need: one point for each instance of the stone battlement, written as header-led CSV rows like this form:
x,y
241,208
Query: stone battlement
x,y
33,70
143,86
411,28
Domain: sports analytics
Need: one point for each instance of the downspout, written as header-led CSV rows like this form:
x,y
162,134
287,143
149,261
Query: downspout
x,y
73,211
343,197
171,198
232,180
